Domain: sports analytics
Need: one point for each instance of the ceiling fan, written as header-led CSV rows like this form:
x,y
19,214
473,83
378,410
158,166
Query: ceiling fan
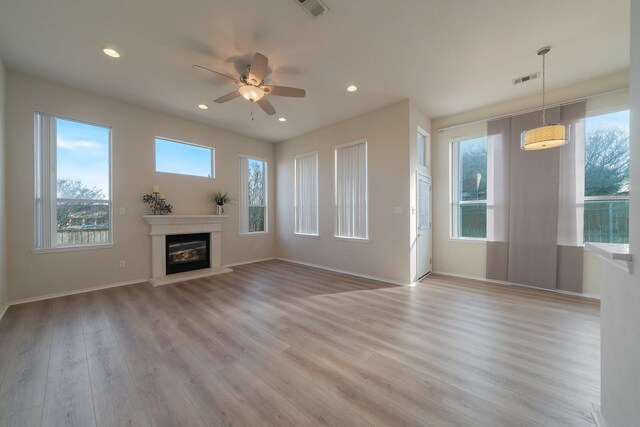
x,y
251,85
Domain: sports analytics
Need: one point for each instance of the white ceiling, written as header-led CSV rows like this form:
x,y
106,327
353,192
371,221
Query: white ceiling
x,y
449,56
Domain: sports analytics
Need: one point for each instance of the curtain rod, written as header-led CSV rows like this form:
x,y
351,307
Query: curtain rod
x,y
531,110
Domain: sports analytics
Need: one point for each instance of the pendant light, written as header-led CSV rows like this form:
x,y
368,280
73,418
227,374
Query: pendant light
x,y
547,136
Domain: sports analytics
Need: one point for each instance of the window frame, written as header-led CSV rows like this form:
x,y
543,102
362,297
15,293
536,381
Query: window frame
x,y
607,198
454,188
426,149
178,141
295,195
336,148
244,205
45,186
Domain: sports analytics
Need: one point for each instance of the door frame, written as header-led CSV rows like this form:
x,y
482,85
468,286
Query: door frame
x,y
430,241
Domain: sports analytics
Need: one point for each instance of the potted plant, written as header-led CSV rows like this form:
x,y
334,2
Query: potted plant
x,y
220,199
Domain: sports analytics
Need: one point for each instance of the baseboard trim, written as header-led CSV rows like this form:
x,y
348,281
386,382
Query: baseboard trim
x,y
97,288
598,417
249,262
74,292
518,285
350,273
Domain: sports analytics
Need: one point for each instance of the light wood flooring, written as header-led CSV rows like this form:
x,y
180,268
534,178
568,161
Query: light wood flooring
x,y
275,343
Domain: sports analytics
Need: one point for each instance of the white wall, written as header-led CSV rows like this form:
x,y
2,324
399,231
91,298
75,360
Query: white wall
x,y
134,129
387,253
620,305
3,212
448,252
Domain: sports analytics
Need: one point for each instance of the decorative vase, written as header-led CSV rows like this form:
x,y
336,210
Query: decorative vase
x,y
219,209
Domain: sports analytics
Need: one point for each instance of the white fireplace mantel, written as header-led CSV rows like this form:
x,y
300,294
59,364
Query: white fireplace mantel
x,y
163,225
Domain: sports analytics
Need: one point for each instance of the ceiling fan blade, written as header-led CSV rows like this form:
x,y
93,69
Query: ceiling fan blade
x,y
228,97
201,68
266,106
284,91
258,68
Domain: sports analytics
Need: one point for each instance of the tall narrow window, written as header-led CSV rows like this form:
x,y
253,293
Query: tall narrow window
x,y
306,194
606,176
423,148
73,183
469,188
253,195
351,192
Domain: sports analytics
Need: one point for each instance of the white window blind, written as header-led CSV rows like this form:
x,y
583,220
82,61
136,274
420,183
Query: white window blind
x,y
253,195
306,194
351,192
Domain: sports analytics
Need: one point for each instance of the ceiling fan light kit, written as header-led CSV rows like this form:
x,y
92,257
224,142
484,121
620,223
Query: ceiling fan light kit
x,y
252,88
546,136
251,93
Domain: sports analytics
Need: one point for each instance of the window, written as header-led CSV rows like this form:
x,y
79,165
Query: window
x,y
73,183
183,158
253,195
469,188
423,148
351,198
606,176
306,194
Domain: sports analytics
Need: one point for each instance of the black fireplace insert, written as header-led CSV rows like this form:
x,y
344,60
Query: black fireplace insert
x,y
187,252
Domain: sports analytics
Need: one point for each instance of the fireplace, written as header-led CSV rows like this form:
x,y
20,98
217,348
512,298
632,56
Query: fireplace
x,y
187,252
177,226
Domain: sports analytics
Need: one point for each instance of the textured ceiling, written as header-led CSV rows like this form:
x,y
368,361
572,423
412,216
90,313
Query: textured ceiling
x,y
448,56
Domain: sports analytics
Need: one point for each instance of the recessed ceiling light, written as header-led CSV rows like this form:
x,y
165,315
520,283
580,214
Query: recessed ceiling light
x,y
352,88
282,119
111,52
203,106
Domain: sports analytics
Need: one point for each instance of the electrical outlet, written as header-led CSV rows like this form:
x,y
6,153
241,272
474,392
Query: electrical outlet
x,y
255,246
123,263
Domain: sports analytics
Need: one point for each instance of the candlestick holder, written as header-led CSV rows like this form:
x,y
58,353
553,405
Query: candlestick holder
x,y
157,204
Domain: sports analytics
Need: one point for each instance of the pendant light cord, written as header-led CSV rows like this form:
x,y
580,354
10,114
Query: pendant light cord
x,y
543,66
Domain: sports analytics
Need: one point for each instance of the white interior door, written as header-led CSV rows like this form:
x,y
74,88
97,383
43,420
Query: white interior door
x,y
423,235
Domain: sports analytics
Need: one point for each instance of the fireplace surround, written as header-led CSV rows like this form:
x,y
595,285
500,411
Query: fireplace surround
x,y
163,226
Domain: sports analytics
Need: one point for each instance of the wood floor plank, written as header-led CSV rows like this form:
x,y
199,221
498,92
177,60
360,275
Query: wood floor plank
x,y
165,400
24,382
31,417
275,343
114,392
68,399
215,403
260,399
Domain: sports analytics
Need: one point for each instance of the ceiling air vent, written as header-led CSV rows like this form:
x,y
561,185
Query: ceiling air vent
x,y
526,78
314,7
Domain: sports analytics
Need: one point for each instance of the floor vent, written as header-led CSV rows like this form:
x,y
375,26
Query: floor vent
x,y
314,7
526,78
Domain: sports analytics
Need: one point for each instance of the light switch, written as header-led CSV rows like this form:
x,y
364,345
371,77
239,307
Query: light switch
x,y
121,211
398,211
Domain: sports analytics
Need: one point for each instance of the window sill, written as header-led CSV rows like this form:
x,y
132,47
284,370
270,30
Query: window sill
x,y
614,253
467,240
352,239
36,251
310,236
254,233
